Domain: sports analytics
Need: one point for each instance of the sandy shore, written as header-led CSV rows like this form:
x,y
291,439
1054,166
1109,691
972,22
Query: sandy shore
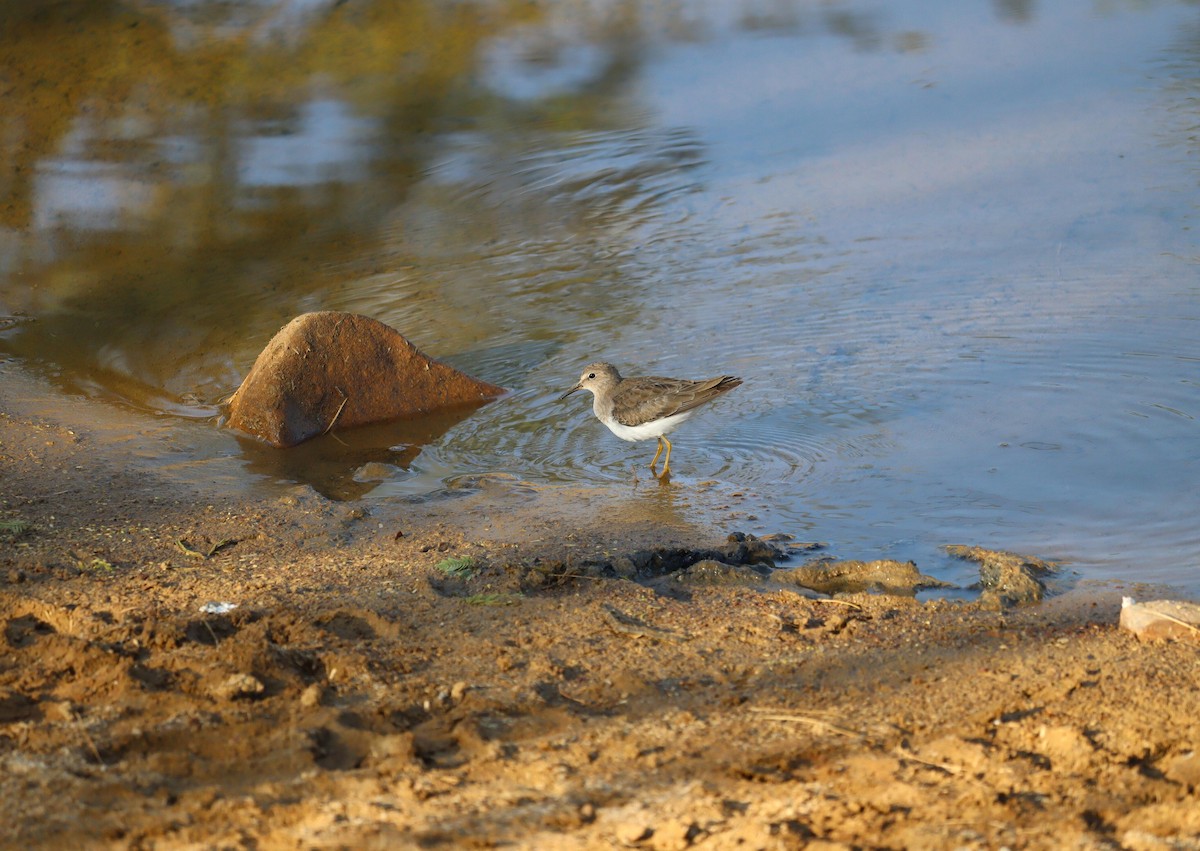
x,y
368,692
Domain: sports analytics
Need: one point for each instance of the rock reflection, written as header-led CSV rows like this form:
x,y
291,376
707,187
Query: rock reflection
x,y
346,465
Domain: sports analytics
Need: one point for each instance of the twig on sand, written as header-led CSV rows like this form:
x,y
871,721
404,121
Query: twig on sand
x,y
816,723
187,549
1174,619
836,602
88,738
624,624
905,753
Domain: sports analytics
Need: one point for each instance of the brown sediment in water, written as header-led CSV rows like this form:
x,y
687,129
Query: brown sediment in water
x,y
450,674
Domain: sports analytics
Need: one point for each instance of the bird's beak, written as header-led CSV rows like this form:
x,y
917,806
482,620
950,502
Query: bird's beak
x,y
578,386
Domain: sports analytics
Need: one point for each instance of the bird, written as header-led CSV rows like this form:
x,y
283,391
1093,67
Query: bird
x,y
648,406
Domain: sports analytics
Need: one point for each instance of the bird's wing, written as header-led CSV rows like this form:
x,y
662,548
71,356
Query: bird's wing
x,y
653,398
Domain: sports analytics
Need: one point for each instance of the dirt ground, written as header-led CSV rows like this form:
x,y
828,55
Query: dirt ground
x,y
374,689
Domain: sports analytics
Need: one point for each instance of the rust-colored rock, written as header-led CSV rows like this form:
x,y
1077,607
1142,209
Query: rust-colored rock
x,y
330,369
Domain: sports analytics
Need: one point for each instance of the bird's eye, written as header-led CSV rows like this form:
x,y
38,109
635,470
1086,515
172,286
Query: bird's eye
x,y
591,375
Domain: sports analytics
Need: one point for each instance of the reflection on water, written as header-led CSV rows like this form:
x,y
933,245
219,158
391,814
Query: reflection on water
x,y
349,464
948,245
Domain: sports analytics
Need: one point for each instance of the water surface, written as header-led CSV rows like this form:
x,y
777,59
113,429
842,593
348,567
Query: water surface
x,y
948,245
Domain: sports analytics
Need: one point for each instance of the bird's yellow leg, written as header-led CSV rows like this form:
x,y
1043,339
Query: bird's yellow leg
x,y
666,461
656,454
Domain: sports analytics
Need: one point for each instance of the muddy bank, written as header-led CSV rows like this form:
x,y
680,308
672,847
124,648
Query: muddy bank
x,y
368,689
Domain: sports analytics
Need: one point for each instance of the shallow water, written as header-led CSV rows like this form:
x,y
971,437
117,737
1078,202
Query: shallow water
x,y
949,247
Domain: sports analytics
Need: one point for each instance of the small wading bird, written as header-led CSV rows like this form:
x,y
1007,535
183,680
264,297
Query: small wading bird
x,y
649,406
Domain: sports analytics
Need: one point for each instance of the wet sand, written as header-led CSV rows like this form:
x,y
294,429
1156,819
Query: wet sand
x,y
363,695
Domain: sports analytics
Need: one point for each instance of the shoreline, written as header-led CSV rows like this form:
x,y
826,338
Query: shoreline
x,y
361,695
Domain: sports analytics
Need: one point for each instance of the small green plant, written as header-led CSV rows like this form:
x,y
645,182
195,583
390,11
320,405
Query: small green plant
x,y
458,567
96,565
14,528
494,599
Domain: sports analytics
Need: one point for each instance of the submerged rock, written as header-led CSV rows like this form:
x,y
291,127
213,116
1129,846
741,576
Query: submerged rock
x,y
711,572
740,549
1007,579
331,369
742,560
838,577
744,548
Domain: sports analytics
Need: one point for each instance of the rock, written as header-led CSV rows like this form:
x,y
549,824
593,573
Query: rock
x,y
312,695
393,748
633,833
712,572
1067,748
61,711
739,549
956,751
674,835
15,706
1007,579
238,685
330,368
743,548
835,577
624,567
1184,769
376,471
1161,619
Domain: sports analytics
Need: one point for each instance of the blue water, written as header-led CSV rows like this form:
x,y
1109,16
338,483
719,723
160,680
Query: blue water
x,y
949,247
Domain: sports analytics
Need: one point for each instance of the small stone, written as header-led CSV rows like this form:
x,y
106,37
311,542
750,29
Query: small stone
x,y
58,710
458,691
633,833
956,751
16,706
376,471
642,559
624,567
1184,769
312,695
239,685
1068,749
742,548
674,835
396,747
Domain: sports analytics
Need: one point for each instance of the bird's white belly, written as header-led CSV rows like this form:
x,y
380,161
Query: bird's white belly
x,y
645,431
